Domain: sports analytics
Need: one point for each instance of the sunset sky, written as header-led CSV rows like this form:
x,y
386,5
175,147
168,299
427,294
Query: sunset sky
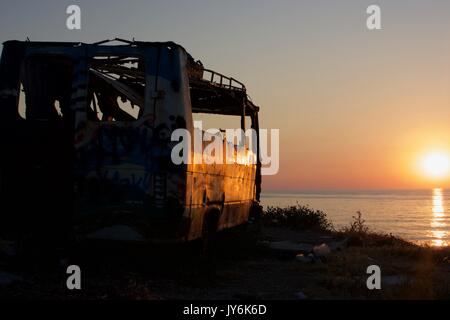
x,y
356,109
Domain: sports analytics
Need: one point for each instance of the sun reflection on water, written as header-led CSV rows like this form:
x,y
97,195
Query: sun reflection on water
x,y
438,223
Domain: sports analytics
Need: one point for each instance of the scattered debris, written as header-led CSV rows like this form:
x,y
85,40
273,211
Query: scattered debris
x,y
310,258
248,272
322,250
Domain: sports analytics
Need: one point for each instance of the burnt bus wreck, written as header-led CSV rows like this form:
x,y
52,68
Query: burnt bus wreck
x,y
86,144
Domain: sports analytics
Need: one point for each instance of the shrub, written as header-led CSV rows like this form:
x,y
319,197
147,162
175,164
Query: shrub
x,y
358,225
359,234
297,217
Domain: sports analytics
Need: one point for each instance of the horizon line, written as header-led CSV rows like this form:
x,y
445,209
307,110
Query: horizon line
x,y
349,189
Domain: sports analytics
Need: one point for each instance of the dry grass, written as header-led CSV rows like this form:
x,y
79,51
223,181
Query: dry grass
x,y
243,267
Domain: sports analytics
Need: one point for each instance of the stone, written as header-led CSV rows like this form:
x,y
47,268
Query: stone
x,y
322,250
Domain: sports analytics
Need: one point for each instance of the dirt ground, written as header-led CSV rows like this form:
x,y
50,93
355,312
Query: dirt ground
x,y
242,265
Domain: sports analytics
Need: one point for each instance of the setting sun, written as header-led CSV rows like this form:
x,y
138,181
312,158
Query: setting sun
x,y
435,165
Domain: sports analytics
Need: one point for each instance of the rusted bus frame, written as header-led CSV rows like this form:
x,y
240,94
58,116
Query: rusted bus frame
x,y
81,53
156,63
230,80
207,98
238,104
239,110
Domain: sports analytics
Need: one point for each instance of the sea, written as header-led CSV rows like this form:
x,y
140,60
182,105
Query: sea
x,y
421,216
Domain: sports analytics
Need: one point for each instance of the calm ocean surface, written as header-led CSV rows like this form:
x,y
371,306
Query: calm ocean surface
x,y
417,215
